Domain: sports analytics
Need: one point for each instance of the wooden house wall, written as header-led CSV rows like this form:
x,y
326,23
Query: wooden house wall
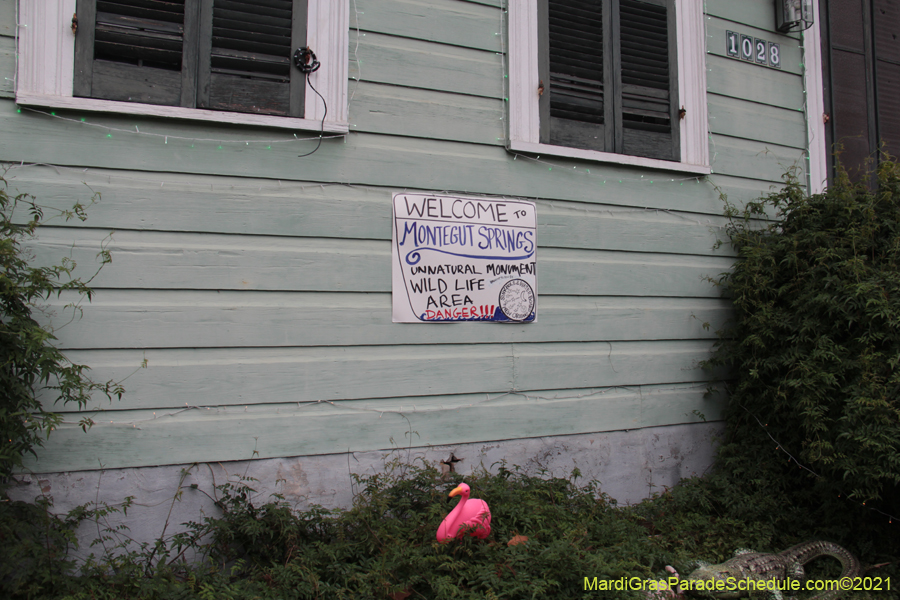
x,y
247,306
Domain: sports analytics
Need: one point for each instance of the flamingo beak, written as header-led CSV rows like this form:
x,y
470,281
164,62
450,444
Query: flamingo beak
x,y
456,492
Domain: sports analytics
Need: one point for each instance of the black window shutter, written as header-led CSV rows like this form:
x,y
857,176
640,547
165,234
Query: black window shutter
x,y
849,83
232,55
608,73
861,82
886,19
246,48
136,51
576,74
647,82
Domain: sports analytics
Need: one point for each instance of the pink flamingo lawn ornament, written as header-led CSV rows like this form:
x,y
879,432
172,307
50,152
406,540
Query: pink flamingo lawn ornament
x,y
472,517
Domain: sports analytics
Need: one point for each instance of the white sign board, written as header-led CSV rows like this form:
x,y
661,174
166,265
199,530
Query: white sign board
x,y
463,259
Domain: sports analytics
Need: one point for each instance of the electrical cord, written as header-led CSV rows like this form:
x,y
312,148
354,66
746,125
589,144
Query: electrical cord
x,y
305,60
322,130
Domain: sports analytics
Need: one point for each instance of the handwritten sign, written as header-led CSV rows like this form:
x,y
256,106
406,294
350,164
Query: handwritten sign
x,y
463,259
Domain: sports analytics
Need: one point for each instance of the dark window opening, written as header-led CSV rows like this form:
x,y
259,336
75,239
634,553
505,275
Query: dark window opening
x,y
610,65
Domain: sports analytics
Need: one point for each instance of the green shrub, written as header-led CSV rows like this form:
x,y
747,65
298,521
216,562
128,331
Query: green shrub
x,y
34,549
815,341
385,546
31,367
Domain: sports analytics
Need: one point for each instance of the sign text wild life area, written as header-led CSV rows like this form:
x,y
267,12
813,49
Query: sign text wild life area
x,y
463,259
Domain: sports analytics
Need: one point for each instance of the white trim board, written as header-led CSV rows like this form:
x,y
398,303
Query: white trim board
x,y
815,105
609,157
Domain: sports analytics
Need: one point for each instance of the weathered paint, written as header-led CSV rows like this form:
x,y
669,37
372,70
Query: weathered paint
x,y
628,465
292,427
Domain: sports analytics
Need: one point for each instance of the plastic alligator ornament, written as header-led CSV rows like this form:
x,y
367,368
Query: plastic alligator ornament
x,y
469,517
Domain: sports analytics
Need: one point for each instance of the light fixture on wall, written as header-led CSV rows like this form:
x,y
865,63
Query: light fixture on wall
x,y
793,15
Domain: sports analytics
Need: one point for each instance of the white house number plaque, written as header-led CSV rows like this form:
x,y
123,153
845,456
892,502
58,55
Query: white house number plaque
x,y
752,49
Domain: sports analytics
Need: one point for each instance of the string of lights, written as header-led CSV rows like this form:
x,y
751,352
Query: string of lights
x,y
167,136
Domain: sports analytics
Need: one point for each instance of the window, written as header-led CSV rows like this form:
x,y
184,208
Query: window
x,y
214,60
612,80
589,103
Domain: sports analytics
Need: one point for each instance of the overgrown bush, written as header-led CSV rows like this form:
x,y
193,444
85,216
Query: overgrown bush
x,y
548,534
815,341
385,546
32,368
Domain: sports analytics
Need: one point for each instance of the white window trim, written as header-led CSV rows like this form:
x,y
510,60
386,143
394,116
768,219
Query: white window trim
x,y
815,105
46,66
524,120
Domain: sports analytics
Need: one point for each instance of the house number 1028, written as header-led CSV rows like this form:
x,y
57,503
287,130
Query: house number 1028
x,y
751,49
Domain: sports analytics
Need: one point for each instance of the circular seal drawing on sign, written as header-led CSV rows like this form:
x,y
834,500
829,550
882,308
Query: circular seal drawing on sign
x,y
517,299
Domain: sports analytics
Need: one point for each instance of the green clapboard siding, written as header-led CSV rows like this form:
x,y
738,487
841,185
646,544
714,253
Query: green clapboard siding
x,y
451,22
756,122
394,110
745,81
247,308
7,18
365,160
426,65
739,190
689,210
754,13
213,261
338,211
239,376
216,318
743,158
492,3
243,432
7,65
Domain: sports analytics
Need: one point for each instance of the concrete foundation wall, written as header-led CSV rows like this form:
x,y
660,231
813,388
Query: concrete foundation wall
x,y
630,466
